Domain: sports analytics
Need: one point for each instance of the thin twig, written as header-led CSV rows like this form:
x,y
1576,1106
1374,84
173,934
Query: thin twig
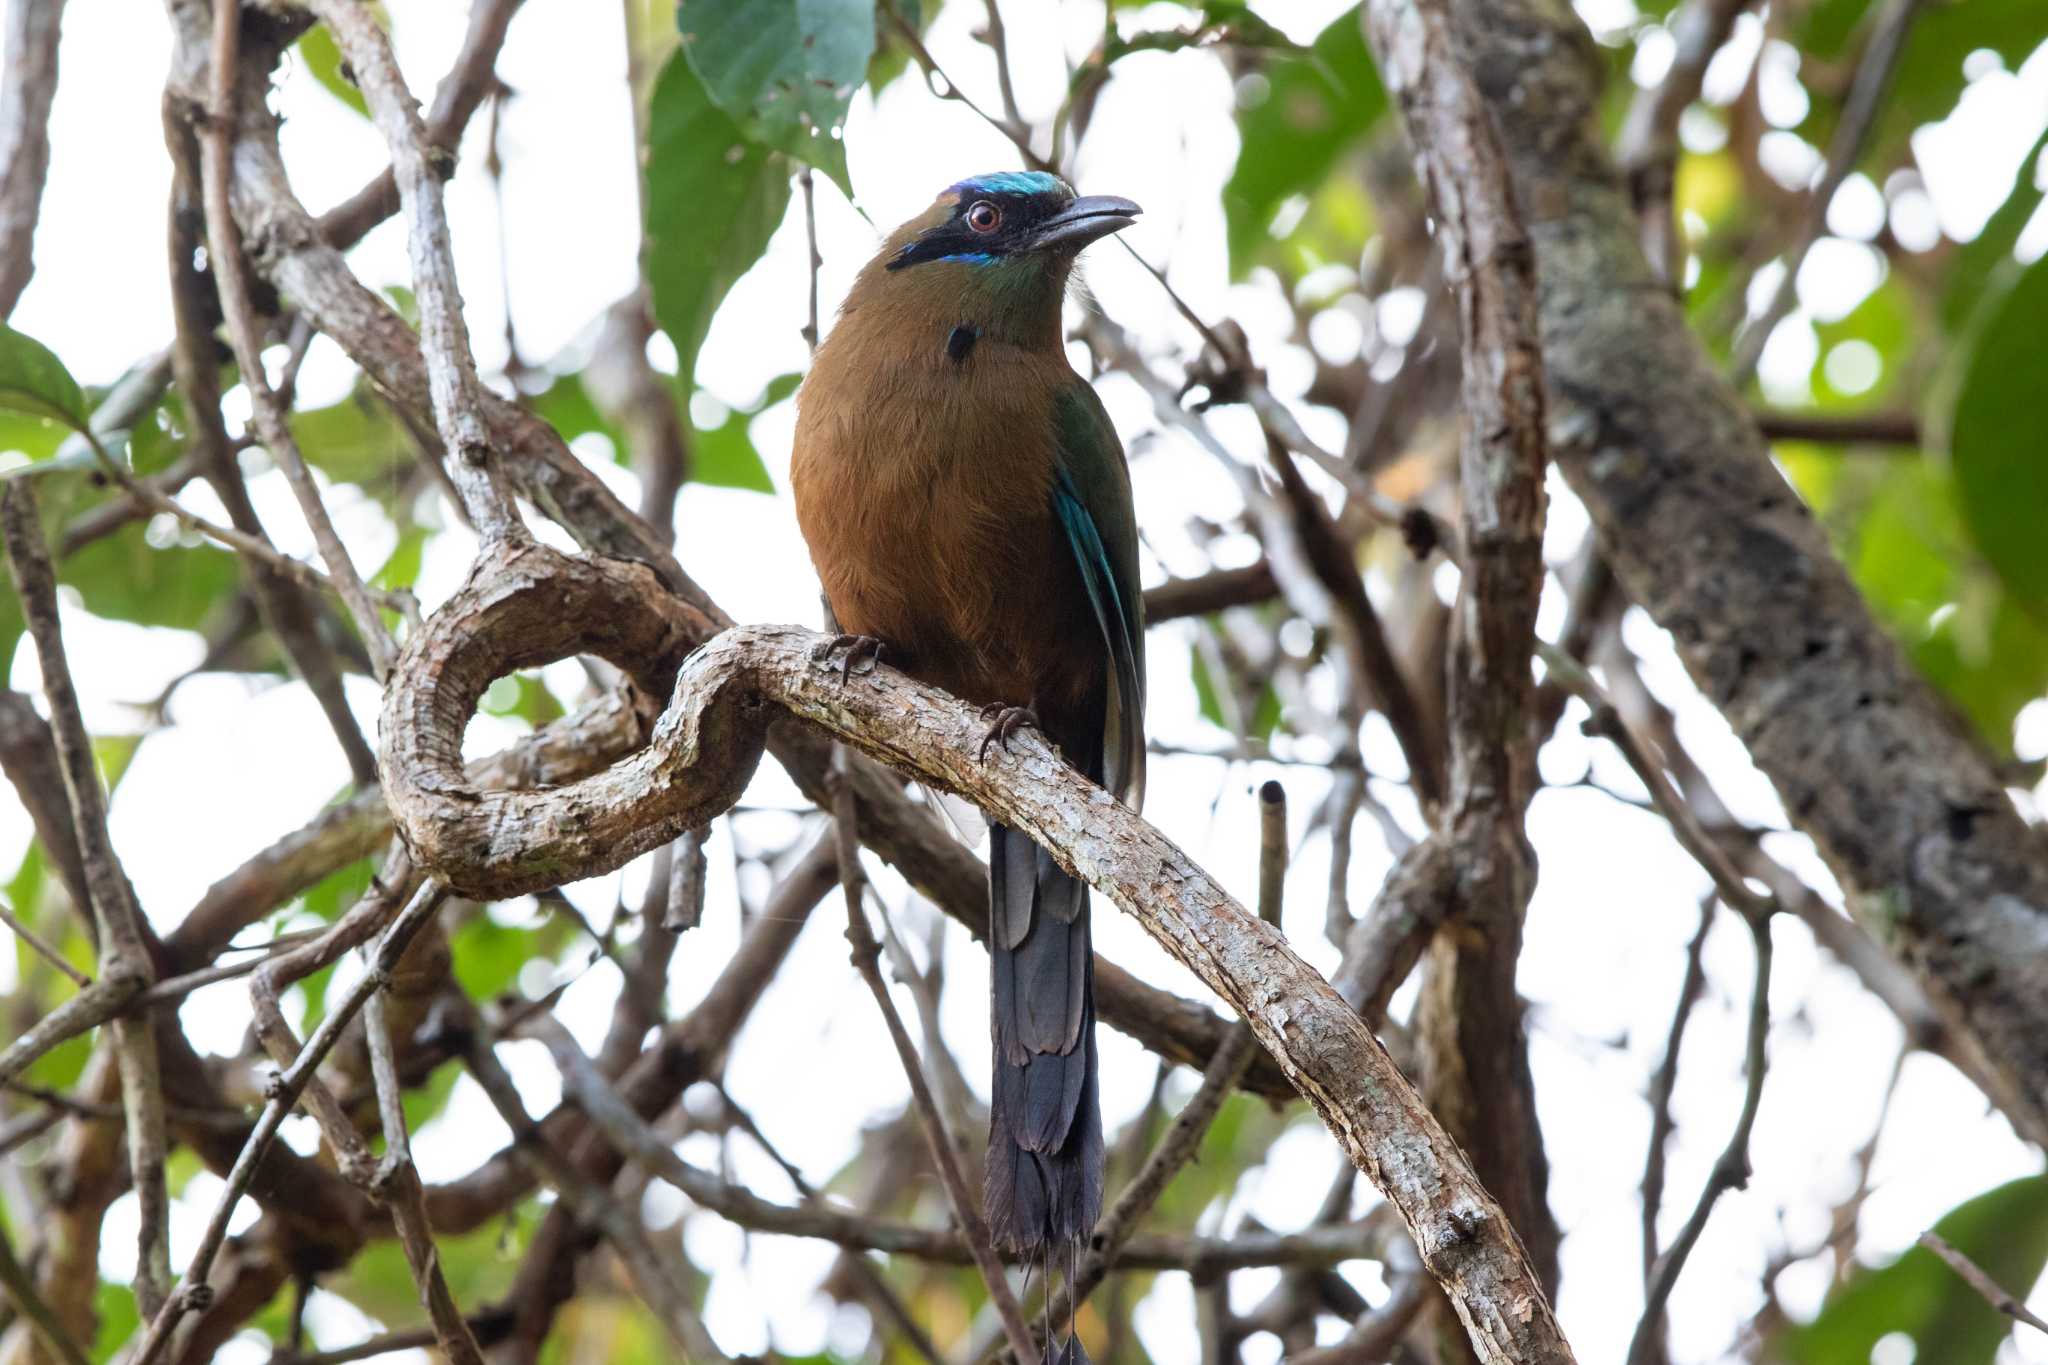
x,y
1692,836
815,261
452,380
17,1284
998,44
286,610
231,274
1666,1081
1647,148
1378,1331
1731,1171
866,956
871,1283
125,967
388,891
399,1182
593,1204
150,496
195,1294
1993,1292
1859,114
1017,133
25,98
43,946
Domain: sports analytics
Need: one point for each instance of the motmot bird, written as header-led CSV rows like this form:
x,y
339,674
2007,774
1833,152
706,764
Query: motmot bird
x,y
967,506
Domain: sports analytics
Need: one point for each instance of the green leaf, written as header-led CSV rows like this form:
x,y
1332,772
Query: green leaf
x,y
357,440
479,1267
324,63
424,1103
785,70
1990,656
566,405
119,1318
1929,77
122,577
724,455
339,890
488,955
34,382
713,200
1316,105
1995,441
402,568
892,53
1980,261
2004,1230
522,696
1265,717
114,753
62,1065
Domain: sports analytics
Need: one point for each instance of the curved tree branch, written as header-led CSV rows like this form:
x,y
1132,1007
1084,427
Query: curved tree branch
x,y
526,604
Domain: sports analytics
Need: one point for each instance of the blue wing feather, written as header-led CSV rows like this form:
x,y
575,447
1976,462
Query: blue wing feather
x,y
1116,610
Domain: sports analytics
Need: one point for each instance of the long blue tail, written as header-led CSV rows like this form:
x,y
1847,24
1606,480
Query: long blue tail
x,y
1045,1125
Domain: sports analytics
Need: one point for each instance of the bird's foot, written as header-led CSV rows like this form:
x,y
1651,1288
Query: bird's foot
x,y
863,652
1004,721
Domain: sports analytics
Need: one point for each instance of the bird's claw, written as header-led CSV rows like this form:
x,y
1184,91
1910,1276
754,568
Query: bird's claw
x,y
863,652
1004,721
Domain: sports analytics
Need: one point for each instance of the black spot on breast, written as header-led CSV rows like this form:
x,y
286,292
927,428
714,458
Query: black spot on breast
x,y
961,342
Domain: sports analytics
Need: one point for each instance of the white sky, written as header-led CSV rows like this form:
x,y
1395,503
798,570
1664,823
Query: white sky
x,y
248,760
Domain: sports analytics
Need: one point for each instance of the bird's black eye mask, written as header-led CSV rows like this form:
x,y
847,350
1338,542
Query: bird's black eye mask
x,y
995,216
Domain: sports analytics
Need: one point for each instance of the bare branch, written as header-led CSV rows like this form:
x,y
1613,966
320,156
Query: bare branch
x,y
594,1205
195,1294
1709,538
1992,1292
1648,145
1731,1171
43,946
1472,1036
125,965
20,1286
231,273
538,604
444,338
1183,1137
866,960
399,1182
286,609
1665,1081
26,90
1859,114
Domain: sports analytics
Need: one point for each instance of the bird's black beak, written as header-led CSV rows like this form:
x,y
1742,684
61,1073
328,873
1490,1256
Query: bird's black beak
x,y
1083,221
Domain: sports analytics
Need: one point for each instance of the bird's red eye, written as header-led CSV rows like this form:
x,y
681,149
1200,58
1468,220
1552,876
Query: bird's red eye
x,y
984,216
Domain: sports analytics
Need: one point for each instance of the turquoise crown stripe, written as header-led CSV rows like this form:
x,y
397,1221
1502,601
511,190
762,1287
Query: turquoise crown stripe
x,y
1012,182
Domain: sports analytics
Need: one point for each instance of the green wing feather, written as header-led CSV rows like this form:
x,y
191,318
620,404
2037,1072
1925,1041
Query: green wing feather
x,y
1092,496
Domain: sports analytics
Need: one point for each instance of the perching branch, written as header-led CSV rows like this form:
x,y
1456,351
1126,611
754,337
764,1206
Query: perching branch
x,y
525,604
1183,1137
